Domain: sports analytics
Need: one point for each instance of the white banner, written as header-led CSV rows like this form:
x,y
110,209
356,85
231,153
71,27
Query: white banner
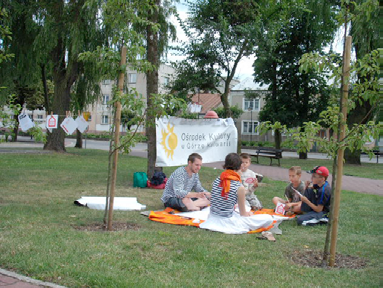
x,y
177,138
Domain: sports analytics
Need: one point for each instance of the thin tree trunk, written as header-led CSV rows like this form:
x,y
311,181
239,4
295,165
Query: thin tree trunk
x,y
278,138
116,124
78,140
44,80
152,88
344,99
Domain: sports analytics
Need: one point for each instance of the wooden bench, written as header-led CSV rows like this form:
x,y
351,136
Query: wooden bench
x,y
377,153
271,153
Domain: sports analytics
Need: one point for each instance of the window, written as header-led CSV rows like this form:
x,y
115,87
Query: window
x,y
105,99
166,80
132,77
251,104
105,82
105,119
249,127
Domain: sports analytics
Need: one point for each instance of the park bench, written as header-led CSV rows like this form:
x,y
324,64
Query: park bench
x,y
377,153
271,153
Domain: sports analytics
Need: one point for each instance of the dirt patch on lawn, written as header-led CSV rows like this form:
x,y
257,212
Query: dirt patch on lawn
x,y
312,258
117,226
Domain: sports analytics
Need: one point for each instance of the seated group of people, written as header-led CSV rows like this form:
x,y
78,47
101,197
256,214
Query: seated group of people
x,y
234,190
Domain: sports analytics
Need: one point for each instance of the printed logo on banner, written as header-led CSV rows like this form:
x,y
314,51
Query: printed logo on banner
x,y
169,141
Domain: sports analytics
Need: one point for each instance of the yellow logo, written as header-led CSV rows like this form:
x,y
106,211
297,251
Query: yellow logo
x,y
169,141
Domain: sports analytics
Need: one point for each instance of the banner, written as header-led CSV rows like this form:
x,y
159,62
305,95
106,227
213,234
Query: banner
x,y
177,138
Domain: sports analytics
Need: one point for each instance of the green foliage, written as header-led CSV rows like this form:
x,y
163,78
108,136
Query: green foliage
x,y
236,112
135,112
5,33
294,97
7,116
218,40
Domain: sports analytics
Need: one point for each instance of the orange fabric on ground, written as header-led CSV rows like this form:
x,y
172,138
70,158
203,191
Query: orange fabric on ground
x,y
167,216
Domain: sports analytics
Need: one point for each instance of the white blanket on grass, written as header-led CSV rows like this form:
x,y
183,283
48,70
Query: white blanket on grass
x,y
120,203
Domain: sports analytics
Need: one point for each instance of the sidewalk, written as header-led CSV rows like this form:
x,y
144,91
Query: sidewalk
x,y
13,280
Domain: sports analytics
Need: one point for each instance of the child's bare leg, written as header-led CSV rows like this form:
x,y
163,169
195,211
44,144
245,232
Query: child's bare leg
x,y
277,199
297,208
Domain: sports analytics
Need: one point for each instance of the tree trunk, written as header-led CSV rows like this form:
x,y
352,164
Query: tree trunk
x,y
277,138
302,155
357,115
44,80
56,139
152,88
78,140
15,129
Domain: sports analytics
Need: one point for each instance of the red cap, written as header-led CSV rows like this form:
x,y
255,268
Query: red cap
x,y
321,170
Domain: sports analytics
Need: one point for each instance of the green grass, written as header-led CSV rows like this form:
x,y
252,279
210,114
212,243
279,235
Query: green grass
x,y
366,170
38,238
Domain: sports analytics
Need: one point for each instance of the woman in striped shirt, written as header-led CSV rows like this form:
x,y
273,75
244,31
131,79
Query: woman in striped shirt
x,y
226,193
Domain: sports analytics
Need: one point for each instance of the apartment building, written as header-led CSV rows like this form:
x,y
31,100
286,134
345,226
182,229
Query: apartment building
x,y
101,112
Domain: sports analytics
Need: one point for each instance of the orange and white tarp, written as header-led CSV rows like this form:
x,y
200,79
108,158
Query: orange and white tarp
x,y
171,216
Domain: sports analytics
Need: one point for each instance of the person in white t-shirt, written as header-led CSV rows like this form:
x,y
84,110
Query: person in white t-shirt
x,y
250,181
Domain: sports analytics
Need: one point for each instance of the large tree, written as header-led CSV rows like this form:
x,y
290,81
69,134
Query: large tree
x,y
365,32
21,74
221,33
294,97
66,28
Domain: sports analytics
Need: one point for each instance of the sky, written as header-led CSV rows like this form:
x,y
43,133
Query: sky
x,y
244,69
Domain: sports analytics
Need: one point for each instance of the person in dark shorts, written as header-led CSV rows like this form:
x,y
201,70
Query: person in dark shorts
x,y
316,199
178,193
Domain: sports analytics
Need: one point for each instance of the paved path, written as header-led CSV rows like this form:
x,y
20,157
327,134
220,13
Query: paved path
x,y
10,279
357,184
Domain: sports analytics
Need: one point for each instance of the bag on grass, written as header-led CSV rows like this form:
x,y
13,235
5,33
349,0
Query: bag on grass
x,y
140,179
158,178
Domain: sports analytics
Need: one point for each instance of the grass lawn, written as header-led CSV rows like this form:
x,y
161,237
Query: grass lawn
x,y
38,236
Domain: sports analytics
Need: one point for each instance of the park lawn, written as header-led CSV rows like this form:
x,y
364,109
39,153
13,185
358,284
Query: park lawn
x,y
366,170
39,238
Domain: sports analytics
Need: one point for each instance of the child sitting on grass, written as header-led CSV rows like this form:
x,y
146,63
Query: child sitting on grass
x,y
250,181
316,199
293,200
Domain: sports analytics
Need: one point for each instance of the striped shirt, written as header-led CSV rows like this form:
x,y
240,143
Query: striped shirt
x,y
180,184
219,205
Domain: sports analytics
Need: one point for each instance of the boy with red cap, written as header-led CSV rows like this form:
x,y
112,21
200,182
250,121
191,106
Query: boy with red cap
x,y
316,199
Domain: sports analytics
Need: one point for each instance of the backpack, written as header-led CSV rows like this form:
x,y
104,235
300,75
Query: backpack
x,y
140,179
158,178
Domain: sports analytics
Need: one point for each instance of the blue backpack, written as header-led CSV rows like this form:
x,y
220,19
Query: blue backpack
x,y
140,179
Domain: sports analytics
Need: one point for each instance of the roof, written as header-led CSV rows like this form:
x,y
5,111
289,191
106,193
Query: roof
x,y
249,84
208,101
